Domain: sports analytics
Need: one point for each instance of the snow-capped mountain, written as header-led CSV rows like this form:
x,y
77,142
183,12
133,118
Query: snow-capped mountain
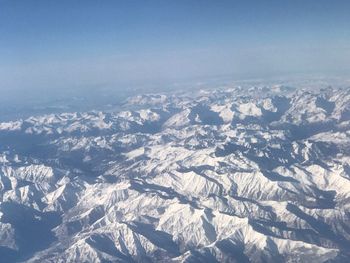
x,y
232,175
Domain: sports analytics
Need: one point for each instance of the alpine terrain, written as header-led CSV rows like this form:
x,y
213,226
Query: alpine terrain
x,y
220,175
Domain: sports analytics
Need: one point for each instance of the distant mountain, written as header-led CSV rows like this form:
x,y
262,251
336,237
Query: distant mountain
x,y
226,175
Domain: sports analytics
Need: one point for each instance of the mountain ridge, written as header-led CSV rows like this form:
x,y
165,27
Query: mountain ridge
x,y
234,175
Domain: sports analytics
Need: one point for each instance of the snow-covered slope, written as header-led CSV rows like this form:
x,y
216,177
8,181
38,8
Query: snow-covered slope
x,y
236,175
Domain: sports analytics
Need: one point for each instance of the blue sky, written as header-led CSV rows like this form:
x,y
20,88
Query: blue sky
x,y
67,44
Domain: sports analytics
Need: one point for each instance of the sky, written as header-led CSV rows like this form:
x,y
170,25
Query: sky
x,y
55,45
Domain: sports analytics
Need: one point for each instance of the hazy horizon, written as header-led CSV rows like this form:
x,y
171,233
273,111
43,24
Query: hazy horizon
x,y
48,45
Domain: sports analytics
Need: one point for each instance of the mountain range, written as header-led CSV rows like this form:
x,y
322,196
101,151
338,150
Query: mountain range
x,y
258,174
